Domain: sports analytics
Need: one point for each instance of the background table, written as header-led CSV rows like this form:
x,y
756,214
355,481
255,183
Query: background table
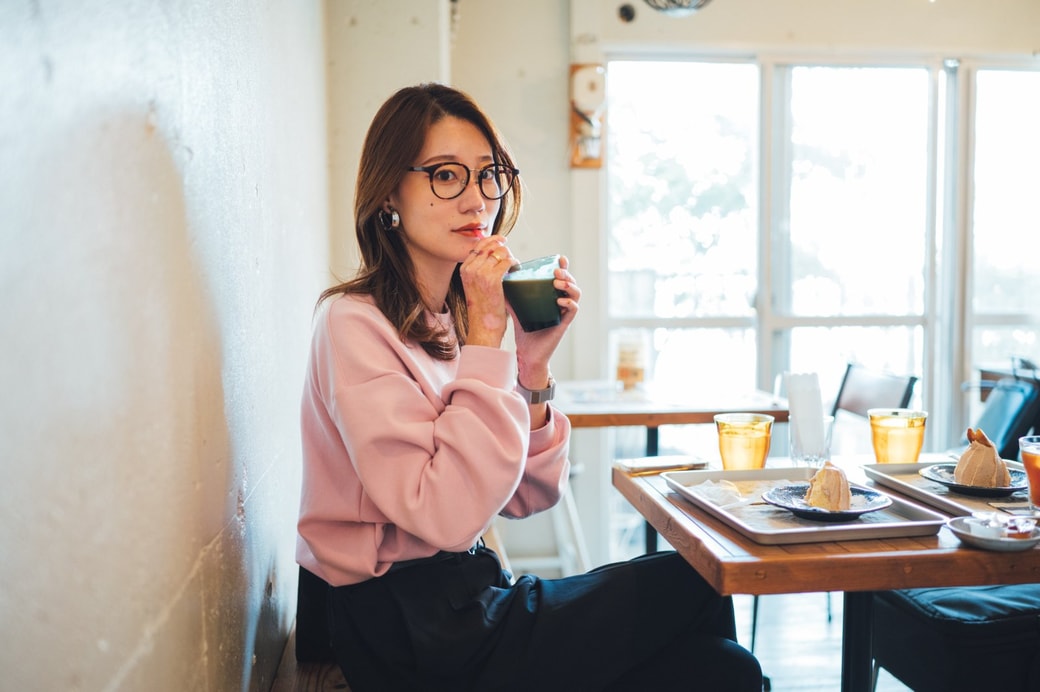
x,y
598,404
735,564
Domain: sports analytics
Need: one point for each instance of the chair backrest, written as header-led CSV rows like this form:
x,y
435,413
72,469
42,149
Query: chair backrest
x,y
1010,411
863,389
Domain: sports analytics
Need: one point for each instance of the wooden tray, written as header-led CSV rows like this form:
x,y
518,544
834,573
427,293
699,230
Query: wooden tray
x,y
907,479
770,525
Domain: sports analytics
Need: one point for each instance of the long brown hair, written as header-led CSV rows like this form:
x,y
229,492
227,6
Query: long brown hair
x,y
395,137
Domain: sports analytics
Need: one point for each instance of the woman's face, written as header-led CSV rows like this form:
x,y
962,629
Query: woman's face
x,y
443,231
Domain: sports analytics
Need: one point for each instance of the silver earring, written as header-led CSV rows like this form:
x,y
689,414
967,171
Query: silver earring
x,y
389,220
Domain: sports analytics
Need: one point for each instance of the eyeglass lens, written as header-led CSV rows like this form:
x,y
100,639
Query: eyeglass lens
x,y
448,180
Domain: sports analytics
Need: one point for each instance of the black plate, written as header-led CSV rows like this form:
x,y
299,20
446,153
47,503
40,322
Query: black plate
x,y
792,497
943,475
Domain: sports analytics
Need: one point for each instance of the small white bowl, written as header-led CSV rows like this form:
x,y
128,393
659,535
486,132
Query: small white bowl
x,y
960,528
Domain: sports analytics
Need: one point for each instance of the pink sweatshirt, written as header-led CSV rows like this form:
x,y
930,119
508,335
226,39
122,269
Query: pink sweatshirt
x,y
405,455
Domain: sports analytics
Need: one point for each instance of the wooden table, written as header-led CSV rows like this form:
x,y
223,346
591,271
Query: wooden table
x,y
598,404
734,564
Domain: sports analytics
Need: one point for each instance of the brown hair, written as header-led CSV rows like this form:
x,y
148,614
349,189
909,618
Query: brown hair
x,y
395,137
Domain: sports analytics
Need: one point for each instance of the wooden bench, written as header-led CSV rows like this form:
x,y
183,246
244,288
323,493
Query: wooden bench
x,y
293,676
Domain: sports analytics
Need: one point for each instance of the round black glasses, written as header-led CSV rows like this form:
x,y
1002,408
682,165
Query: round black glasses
x,y
449,180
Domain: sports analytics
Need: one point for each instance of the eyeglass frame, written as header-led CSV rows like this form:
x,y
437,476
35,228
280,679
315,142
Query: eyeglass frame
x,y
430,170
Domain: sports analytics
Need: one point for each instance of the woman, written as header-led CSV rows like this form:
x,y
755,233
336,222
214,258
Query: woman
x,y
419,427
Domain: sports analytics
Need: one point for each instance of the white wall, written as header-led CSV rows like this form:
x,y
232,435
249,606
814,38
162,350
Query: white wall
x,y
940,27
163,209
375,47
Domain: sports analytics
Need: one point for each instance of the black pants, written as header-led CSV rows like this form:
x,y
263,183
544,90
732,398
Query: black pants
x,y
454,622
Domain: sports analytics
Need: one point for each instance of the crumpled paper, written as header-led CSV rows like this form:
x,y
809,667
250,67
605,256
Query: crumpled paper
x,y
722,493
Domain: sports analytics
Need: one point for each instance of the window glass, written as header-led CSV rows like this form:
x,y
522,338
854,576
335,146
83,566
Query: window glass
x,y
827,351
681,363
995,346
682,178
858,190
1006,238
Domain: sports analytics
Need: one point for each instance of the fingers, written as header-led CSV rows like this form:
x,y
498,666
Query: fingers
x,y
491,251
565,282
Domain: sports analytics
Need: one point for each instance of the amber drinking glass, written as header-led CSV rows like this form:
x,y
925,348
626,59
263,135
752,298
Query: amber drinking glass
x,y
897,434
744,439
1030,448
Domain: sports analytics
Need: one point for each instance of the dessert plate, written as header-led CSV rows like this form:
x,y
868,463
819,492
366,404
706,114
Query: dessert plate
x,y
959,527
943,475
792,497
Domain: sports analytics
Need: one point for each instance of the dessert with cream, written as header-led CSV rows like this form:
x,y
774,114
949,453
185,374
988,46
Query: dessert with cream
x,y
981,465
829,489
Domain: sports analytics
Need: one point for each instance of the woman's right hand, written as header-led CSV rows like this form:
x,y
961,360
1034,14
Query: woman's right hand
x,y
481,273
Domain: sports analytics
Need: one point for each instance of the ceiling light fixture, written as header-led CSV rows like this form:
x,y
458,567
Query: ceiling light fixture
x,y
677,8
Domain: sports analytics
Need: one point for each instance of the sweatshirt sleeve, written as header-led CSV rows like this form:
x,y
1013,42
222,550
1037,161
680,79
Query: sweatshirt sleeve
x,y
437,447
547,469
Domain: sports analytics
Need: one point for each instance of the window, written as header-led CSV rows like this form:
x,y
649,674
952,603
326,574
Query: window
x,y
683,217
767,216
1005,220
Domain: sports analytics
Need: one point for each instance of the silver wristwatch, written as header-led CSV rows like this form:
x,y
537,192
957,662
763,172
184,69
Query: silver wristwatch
x,y
538,396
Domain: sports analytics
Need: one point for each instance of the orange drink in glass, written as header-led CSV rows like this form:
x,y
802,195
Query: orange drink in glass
x,y
897,434
1030,448
744,439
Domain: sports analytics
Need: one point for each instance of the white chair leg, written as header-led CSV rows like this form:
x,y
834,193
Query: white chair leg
x,y
571,554
570,538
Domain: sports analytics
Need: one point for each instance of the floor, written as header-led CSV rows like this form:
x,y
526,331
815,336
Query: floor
x,y
798,648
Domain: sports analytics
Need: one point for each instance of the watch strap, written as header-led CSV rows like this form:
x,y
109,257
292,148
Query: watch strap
x,y
538,396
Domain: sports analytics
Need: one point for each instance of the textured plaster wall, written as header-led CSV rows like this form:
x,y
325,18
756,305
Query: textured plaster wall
x,y
375,47
163,214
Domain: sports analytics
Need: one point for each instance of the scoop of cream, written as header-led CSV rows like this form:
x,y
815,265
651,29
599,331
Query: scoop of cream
x,y
829,489
981,465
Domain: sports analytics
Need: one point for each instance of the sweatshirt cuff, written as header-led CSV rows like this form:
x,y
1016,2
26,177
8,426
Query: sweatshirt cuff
x,y
493,366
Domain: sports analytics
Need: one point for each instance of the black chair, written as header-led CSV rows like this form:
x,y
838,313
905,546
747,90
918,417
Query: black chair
x,y
956,639
863,389
1011,411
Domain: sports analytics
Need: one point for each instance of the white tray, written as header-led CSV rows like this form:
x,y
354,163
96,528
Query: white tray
x,y
769,525
907,479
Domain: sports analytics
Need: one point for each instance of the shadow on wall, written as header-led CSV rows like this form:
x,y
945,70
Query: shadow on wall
x,y
124,529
